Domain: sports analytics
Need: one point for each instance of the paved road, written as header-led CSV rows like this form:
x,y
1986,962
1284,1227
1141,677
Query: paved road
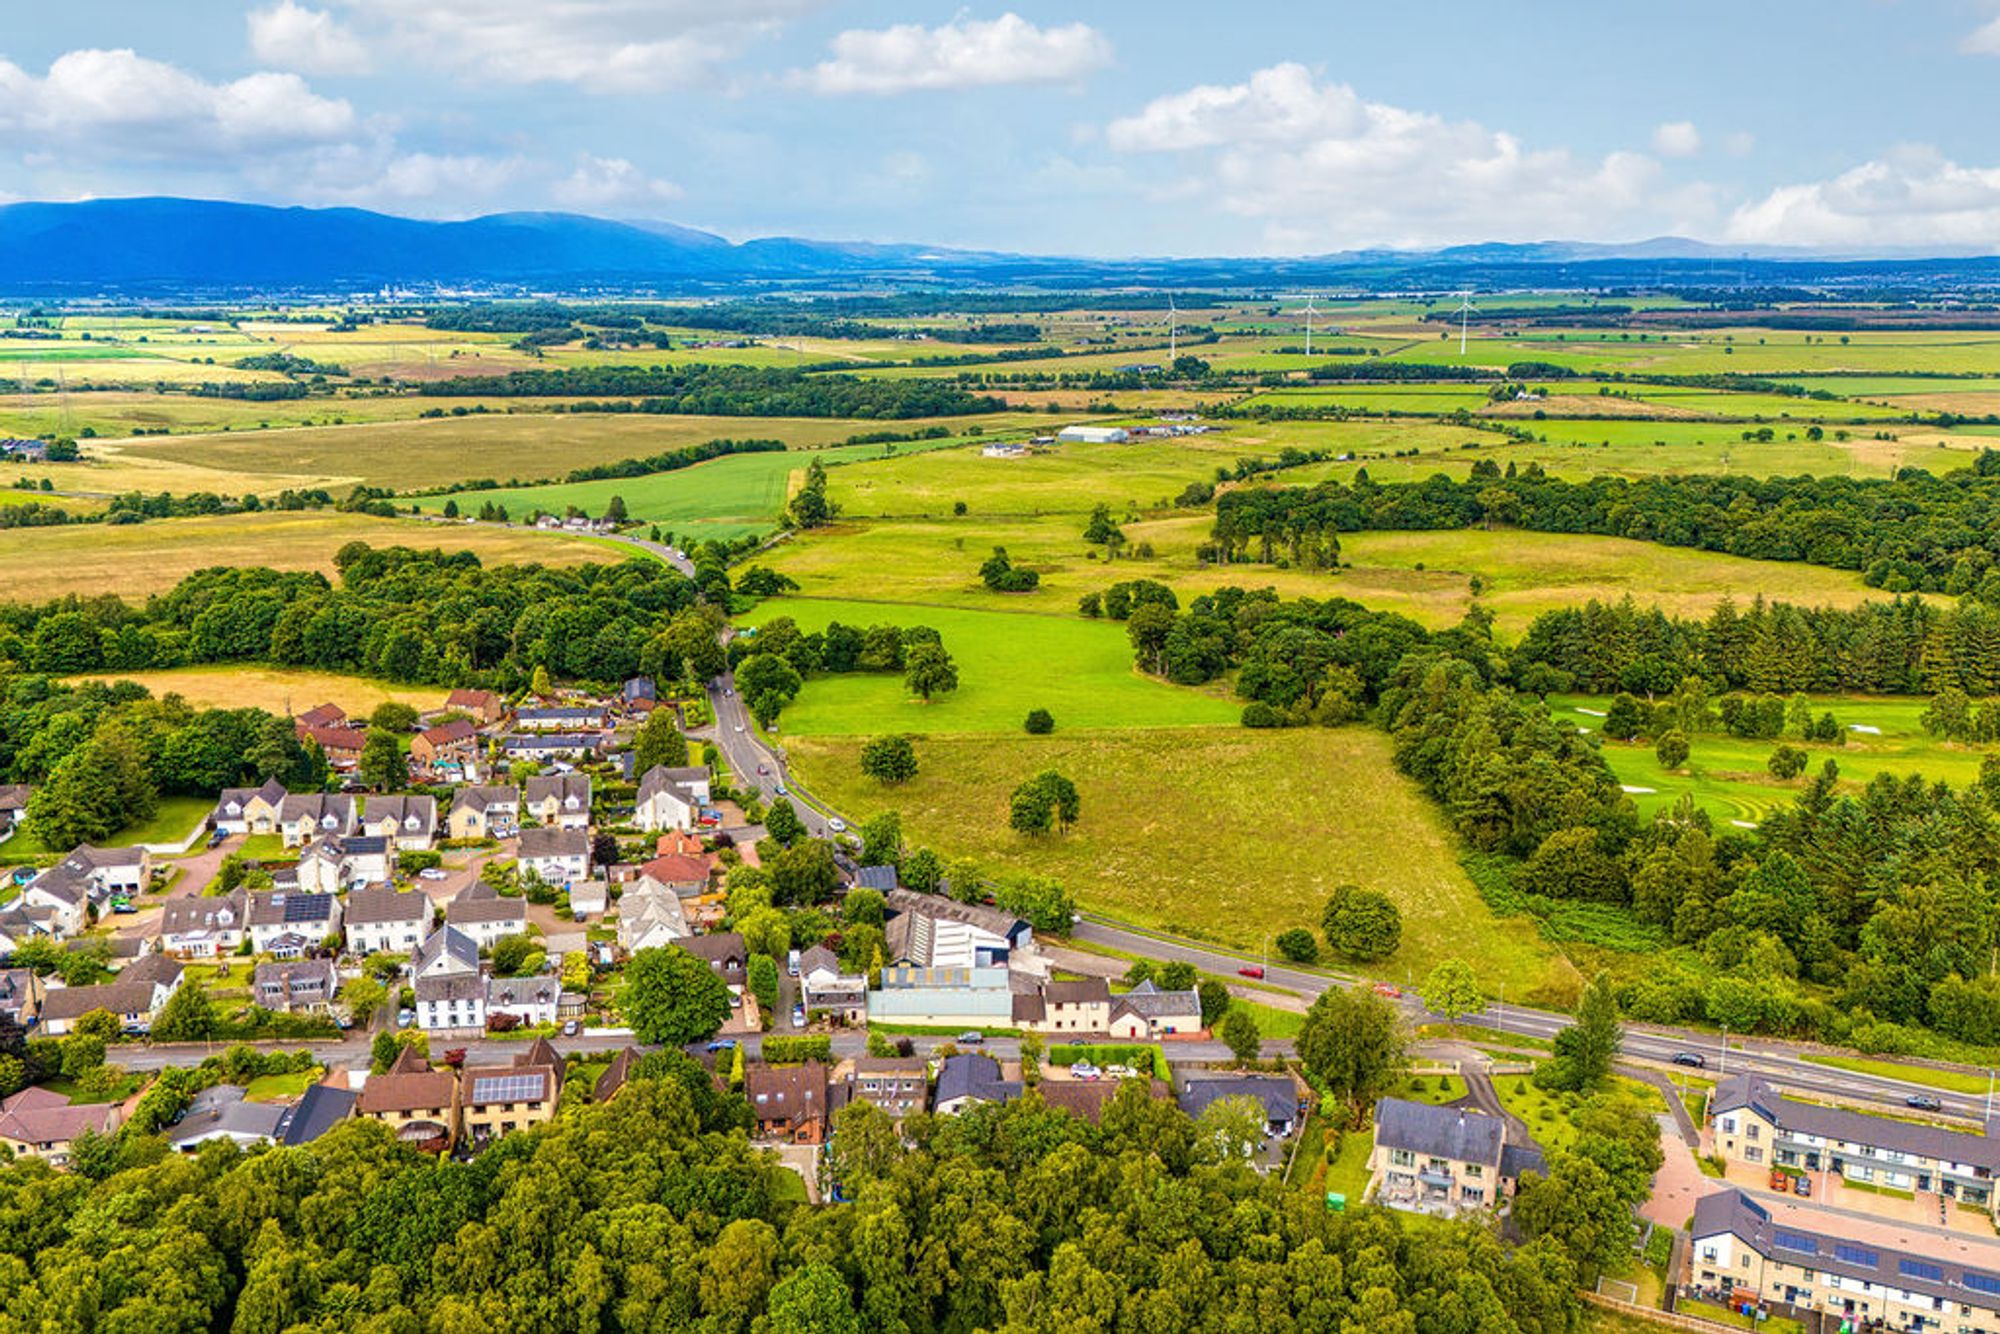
x,y
659,549
736,736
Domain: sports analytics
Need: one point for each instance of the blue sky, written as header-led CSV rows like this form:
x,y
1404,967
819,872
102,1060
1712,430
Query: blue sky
x,y
1090,127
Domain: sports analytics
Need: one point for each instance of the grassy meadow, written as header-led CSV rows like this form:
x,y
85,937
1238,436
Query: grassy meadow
x,y
1220,833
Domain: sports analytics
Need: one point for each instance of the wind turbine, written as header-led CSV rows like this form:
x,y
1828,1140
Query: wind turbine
x,y
1464,320
1173,332
1310,312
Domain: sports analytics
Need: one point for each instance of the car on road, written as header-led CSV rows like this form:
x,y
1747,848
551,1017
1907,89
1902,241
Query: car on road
x,y
778,789
1924,1102
971,1039
1690,1058
433,873
739,727
570,1029
1385,989
837,825
1252,970
722,1044
763,768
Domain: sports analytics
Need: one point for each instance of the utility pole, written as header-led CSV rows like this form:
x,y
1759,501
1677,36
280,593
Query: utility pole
x,y
1722,1067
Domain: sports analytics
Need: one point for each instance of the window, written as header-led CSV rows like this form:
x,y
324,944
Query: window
x,y
1751,1130
1753,1155
1474,1170
1402,1157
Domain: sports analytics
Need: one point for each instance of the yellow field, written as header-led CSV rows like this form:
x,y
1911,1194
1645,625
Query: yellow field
x,y
137,559
276,690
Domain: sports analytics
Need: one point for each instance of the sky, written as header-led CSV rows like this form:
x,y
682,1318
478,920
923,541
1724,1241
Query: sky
x,y
1084,127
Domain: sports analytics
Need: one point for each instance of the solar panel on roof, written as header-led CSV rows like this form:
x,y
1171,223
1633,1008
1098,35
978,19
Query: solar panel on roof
x,y
305,907
1923,1269
507,1088
1985,1283
1856,1255
1796,1241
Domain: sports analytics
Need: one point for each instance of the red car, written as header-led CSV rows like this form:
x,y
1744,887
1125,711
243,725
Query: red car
x,y
1251,970
1384,989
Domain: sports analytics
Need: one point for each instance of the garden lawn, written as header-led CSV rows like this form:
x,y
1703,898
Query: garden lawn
x,y
273,1088
1221,834
172,820
1957,1081
1008,663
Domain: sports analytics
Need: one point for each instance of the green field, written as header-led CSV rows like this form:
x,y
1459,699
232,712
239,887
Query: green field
x,y
172,820
1728,778
1224,834
1008,663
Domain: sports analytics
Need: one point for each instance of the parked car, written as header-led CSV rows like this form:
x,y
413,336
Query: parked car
x,y
570,1029
1802,1187
1120,1071
723,1044
1690,1058
1252,970
404,1018
1385,989
798,1016
792,963
218,838
1085,1070
971,1039
433,873
1924,1102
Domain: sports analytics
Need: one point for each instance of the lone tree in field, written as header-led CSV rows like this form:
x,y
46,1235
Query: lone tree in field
x,y
889,759
1040,722
1298,945
1672,749
1361,924
1103,532
1046,801
1451,990
928,670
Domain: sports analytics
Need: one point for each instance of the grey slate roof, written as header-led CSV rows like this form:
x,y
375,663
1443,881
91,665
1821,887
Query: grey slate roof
x,y
1518,1158
200,912
974,1075
560,786
881,878
1834,1123
1149,1002
480,902
455,987
463,949
1280,1099
549,841
320,1110
378,905
227,1115
1458,1133
481,796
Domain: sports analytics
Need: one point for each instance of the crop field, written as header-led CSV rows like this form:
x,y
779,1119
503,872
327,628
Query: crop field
x,y
120,412
1727,776
1008,663
277,690
437,451
137,559
1220,833
1744,351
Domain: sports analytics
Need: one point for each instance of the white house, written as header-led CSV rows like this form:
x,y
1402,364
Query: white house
x,y
331,865
446,952
532,1000
305,816
454,1003
485,811
286,925
383,920
250,810
560,856
671,798
88,875
484,916
1145,1013
196,926
649,917
409,823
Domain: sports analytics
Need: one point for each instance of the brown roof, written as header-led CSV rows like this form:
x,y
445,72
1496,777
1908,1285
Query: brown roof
x,y
37,1116
677,869
675,840
1089,991
1086,1098
615,1075
541,1052
446,734
408,1092
323,715
789,1093
470,699
332,738
120,998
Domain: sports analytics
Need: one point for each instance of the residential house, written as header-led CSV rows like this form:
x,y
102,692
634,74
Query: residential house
x,y
671,798
972,1077
305,816
498,1100
286,925
562,718
323,715
132,1003
454,742
1082,1006
943,997
722,951
589,898
21,991
446,952
13,805
550,747
249,810
823,987
198,926
36,1123
484,811
408,823
1085,1098
419,1103
1441,1160
789,1101
221,1112
1147,1014
897,1085
19,925
929,931
305,986
684,875
557,855
615,1075
561,800
331,865
341,745
484,914
320,1109
1278,1094
86,877
1753,1126
385,920
532,1000
484,705
881,879
455,1003
649,917
1838,1269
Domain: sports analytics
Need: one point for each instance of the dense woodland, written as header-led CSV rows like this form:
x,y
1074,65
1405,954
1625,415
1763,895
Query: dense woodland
x,y
1915,532
726,391
653,1213
396,613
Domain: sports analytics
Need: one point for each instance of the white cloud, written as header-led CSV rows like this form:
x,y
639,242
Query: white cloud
x,y
961,54
605,46
379,175
1322,168
118,101
290,36
1984,41
1740,143
1913,196
1677,138
600,182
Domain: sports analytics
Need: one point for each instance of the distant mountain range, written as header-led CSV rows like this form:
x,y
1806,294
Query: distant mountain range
x,y
186,247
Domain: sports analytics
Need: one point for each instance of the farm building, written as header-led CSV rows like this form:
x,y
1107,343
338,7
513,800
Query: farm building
x,y
1095,435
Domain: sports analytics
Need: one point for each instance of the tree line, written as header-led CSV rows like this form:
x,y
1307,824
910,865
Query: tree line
x,y
1913,532
726,391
